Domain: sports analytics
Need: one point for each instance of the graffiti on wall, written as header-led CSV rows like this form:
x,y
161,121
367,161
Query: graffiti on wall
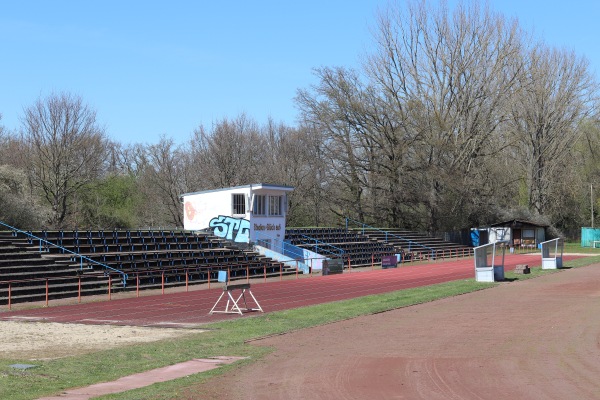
x,y
190,211
229,228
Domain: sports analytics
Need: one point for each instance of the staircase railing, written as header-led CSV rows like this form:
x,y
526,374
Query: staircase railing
x,y
322,246
81,257
288,253
410,243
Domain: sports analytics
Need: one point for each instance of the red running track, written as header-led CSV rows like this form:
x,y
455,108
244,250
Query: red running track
x,y
189,309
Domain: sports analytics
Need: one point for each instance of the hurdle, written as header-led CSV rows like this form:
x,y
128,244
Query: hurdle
x,y
232,306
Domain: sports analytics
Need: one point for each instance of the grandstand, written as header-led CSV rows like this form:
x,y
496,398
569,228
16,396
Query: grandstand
x,y
43,265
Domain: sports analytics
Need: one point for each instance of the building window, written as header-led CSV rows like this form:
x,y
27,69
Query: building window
x,y
274,205
260,205
239,203
528,234
528,238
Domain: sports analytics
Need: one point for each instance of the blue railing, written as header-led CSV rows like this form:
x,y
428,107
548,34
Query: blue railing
x,y
283,247
282,251
410,243
64,250
322,246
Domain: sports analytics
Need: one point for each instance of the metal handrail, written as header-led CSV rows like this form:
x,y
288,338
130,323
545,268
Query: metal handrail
x,y
372,228
263,241
340,252
81,257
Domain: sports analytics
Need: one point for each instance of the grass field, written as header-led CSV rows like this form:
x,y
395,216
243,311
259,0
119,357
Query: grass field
x,y
222,339
575,247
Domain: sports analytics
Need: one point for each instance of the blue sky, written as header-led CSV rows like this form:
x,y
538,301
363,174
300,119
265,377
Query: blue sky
x,y
163,68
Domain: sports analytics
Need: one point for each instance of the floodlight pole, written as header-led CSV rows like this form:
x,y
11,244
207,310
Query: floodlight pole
x,y
592,202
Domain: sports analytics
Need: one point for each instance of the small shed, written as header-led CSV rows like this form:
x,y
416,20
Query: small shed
x,y
518,233
241,214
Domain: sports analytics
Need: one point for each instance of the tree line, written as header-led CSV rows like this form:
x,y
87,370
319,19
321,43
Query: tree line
x,y
456,118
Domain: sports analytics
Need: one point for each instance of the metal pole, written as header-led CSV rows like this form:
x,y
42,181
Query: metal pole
x,y
592,201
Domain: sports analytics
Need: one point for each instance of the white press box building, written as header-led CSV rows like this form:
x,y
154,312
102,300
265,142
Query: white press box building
x,y
244,214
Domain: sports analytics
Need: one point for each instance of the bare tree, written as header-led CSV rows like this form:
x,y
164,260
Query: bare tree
x,y
328,110
450,75
408,136
229,154
292,158
556,94
11,148
66,149
17,207
164,181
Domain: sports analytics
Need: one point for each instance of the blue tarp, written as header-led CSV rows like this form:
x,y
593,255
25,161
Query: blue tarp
x,y
475,238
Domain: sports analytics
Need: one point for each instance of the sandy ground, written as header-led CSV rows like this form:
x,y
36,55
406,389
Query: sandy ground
x,y
46,340
533,339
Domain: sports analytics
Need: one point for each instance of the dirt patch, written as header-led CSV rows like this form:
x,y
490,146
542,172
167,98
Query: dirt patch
x,y
47,340
538,338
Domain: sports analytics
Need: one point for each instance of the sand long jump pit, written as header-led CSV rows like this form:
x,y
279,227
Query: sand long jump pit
x,y
37,340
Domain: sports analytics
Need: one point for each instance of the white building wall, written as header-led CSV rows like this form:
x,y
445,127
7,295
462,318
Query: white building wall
x,y
214,210
201,208
267,227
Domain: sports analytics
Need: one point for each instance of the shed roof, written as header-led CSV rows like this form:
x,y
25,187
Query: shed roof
x,y
516,223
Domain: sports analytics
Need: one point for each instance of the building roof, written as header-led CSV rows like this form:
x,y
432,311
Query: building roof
x,y
516,223
253,186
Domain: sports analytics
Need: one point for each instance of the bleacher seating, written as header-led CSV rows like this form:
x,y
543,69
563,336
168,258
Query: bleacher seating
x,y
355,249
82,262
149,258
418,245
364,247
27,270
